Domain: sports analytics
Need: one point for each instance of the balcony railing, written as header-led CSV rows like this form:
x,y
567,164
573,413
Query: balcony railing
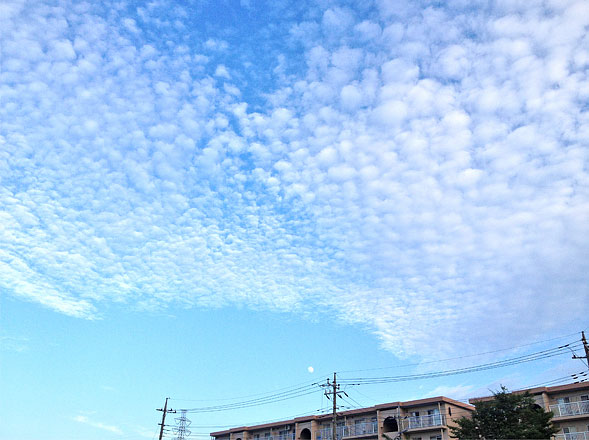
x,y
360,429
289,436
573,436
344,431
424,421
570,409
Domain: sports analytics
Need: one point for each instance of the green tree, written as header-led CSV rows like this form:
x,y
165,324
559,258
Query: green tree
x,y
507,416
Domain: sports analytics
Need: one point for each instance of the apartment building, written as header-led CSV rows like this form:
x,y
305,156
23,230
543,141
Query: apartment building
x,y
425,419
569,404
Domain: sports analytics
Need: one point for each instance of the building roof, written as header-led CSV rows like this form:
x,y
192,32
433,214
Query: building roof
x,y
382,406
540,390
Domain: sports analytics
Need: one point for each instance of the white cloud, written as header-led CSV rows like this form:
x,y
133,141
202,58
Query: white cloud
x,y
131,25
457,392
62,49
15,344
85,420
434,172
221,71
337,20
454,62
216,45
351,97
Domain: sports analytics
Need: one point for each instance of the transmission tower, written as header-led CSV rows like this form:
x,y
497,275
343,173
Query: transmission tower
x,y
183,423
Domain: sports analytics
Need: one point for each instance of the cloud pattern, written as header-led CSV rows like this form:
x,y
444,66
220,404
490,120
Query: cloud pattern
x,y
417,169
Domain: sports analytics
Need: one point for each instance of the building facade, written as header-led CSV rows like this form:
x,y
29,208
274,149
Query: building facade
x,y
569,404
425,419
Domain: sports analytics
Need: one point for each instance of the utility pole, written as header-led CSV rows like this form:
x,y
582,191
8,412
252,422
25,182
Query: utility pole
x,y
586,347
334,393
164,411
334,416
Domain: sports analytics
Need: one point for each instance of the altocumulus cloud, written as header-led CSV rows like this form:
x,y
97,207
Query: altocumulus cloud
x,y
406,164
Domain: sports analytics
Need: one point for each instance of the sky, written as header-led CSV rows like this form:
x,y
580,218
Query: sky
x,y
201,199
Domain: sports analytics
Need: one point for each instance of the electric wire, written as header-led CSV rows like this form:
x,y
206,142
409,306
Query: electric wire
x,y
584,374
303,391
306,413
566,378
311,387
248,396
459,357
307,388
544,354
356,403
297,391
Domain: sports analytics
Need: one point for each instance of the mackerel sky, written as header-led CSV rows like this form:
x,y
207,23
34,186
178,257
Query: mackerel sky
x,y
412,172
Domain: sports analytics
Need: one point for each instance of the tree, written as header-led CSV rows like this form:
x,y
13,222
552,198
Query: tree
x,y
507,416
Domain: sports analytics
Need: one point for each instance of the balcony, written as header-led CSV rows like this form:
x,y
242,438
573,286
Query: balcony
x,y
573,436
570,409
424,421
360,429
346,431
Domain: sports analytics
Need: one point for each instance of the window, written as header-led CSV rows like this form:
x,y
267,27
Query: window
x,y
585,397
435,437
256,436
569,432
433,417
359,427
415,421
449,410
564,407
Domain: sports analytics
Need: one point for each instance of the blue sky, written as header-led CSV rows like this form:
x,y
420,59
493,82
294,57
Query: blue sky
x,y
201,199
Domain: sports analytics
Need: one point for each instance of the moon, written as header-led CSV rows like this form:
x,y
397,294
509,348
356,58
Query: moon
x,y
310,369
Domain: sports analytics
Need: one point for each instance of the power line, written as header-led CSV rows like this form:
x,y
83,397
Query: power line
x,y
574,376
310,388
307,388
263,422
356,403
458,357
544,354
250,395
583,376
297,392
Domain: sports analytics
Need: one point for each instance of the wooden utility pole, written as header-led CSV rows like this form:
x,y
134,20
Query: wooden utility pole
x,y
334,393
334,415
164,412
586,347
